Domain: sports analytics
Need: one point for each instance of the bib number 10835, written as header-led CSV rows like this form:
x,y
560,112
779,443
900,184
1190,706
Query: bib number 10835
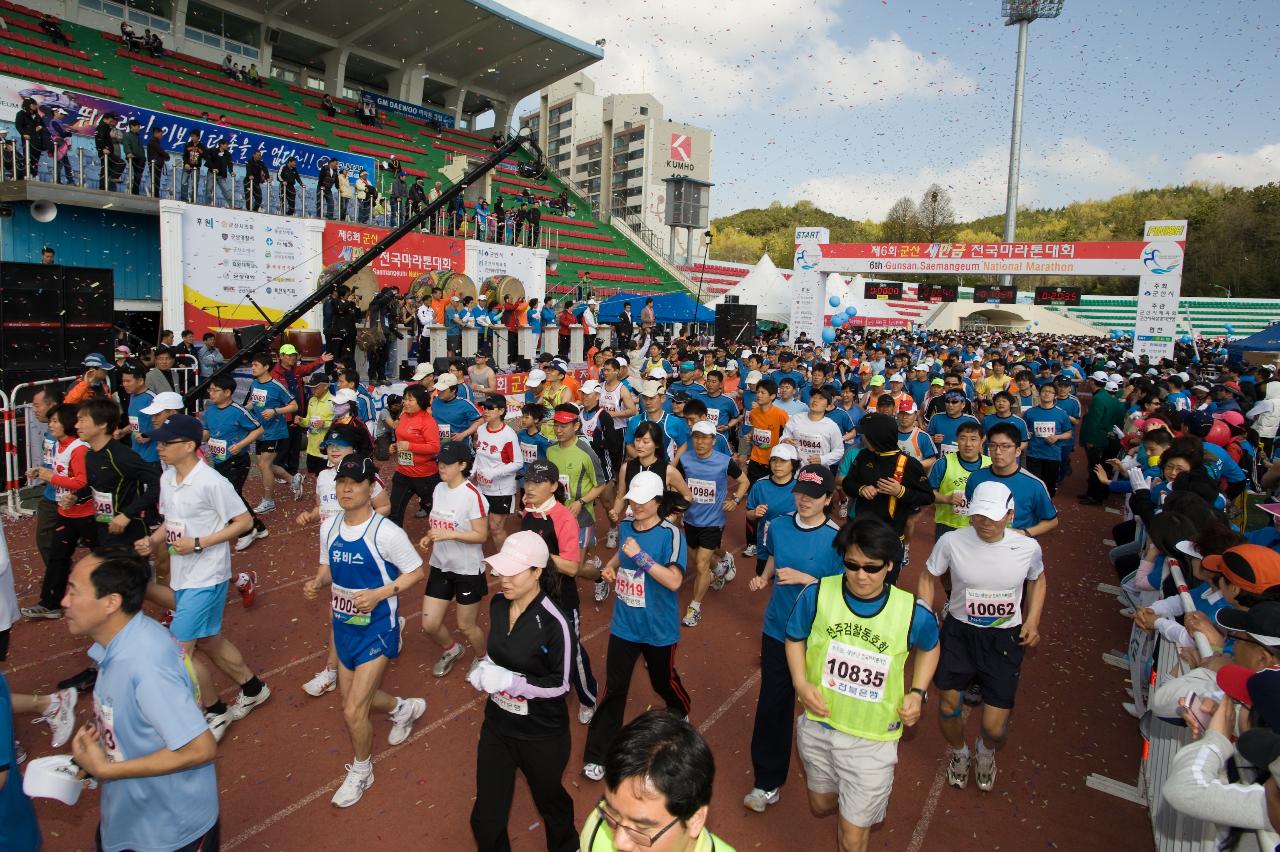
x,y
855,672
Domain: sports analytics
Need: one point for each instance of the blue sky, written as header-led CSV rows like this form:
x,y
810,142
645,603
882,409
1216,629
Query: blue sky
x,y
853,104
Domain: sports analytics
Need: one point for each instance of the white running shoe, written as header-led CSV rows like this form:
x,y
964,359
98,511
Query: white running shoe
x,y
749,551
325,680
411,709
218,724
985,774
352,788
62,717
296,485
243,542
593,771
958,770
757,800
244,704
447,659
602,591
264,507
19,753
611,540
691,617
585,715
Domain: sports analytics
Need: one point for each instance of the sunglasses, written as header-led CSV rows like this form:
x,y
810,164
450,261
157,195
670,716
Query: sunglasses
x,y
865,569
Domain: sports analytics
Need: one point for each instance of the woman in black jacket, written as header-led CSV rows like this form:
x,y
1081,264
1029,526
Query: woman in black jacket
x,y
526,719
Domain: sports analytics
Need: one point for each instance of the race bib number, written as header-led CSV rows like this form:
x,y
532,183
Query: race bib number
x,y
481,479
404,458
446,433
529,452
343,603
950,448
105,718
704,490
564,483
218,449
855,672
630,587
761,438
990,607
443,519
46,455
713,414
510,703
808,447
173,530
258,397
317,423
104,506
329,505
1045,428
133,422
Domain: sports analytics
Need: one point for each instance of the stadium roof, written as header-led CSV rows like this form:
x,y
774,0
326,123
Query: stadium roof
x,y
492,51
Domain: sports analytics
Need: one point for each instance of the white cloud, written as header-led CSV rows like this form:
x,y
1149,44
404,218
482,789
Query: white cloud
x,y
1071,170
1247,170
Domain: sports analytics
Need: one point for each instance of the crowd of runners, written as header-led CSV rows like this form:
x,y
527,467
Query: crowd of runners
x,y
620,480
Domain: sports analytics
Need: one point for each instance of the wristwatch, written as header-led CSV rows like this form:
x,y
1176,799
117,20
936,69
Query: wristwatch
x,y
924,693
198,548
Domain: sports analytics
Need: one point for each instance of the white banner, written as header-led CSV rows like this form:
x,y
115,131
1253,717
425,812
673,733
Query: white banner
x,y
1159,288
491,260
808,288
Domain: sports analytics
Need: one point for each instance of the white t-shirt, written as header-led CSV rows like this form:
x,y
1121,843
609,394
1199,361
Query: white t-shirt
x,y
384,538
426,316
820,438
498,460
327,493
455,509
199,506
986,579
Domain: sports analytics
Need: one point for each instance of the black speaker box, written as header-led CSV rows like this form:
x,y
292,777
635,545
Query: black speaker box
x,y
249,335
735,324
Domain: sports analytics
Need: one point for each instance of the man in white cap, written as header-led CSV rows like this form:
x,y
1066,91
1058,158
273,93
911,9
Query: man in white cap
x,y
985,632
589,322
709,475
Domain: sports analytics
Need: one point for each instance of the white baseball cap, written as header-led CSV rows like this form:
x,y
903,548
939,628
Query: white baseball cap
x,y
535,378
658,373
1113,386
520,552
703,427
448,380
1100,377
167,401
53,777
785,451
645,486
753,377
344,395
590,386
650,388
992,500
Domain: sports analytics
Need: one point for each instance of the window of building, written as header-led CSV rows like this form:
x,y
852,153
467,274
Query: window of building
x,y
288,75
144,14
644,110
225,24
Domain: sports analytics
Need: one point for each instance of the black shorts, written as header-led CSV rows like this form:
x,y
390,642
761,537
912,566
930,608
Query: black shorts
x,y
448,586
707,538
499,505
276,446
315,464
989,656
4,645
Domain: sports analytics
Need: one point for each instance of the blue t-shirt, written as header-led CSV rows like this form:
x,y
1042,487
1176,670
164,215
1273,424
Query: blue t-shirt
x,y
939,470
777,500
1071,405
534,318
533,447
945,425
1018,423
453,416
806,550
229,424
748,402
452,324
924,624
144,701
918,390
657,622
676,430
270,394
1225,467
1042,422
721,409
19,830
1031,500
146,450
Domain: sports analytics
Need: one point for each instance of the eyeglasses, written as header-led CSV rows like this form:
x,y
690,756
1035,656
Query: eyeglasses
x,y
1002,446
865,569
636,835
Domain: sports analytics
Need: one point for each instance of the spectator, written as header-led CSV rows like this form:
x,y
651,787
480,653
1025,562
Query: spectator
x,y
210,358
156,45
290,180
13,161
130,36
53,28
365,195
325,183
31,130
346,194
399,192
254,78
221,172
189,173
157,156
418,200
135,154
329,107
58,144
106,139
256,177
228,67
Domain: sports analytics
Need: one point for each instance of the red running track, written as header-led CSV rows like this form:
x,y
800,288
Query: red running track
x,y
278,768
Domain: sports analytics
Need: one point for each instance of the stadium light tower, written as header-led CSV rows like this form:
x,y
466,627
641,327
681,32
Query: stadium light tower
x,y
1022,13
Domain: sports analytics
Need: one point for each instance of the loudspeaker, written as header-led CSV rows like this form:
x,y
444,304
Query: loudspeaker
x,y
249,335
31,316
273,36
735,325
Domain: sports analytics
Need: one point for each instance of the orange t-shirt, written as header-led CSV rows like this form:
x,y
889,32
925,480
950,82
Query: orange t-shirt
x,y
766,429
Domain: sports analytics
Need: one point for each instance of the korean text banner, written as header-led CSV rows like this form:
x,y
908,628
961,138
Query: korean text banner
x,y
422,113
80,114
1099,258
399,265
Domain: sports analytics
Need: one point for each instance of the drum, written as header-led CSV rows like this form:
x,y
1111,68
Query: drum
x,y
450,283
308,341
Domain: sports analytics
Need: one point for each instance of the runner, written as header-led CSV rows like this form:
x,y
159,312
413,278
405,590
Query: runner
x,y
125,488
499,460
230,432
708,474
984,633
271,402
526,720
944,425
771,496
369,561
763,426
1048,425
948,480
802,553
133,381
620,404
817,437
457,418
202,514
533,443
1003,404
320,416
583,479
416,446
853,687
459,523
674,428
1034,512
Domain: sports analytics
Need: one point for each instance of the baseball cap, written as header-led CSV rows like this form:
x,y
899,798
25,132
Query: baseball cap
x,y
991,500
566,413
921,367
448,380
906,405
687,366
898,377
1251,567
541,470
557,364
937,382
650,388
358,468
423,370
680,397
535,379
815,480
876,381
1112,387
521,552
1270,508
288,349
785,451
1100,377
124,350
1261,747
346,435
167,401
657,373
645,486
317,378
1233,418
95,359
454,452
1261,621
703,427
179,427
1200,387
494,400
344,395
1258,690
753,377
590,386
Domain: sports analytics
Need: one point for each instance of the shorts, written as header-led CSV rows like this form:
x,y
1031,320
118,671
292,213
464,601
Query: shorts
x,y
464,588
198,612
358,645
939,530
500,505
703,538
277,446
315,464
991,656
859,770
4,645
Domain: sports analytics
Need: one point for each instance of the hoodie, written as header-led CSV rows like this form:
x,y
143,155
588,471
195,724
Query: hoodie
x,y
883,460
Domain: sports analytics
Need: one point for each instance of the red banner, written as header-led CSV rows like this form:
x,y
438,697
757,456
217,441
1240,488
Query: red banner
x,y
403,262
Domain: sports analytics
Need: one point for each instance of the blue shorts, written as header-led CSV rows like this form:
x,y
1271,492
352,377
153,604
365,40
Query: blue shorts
x,y
358,645
198,612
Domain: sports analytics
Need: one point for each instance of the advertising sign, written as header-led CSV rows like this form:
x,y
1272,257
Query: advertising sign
x,y
1159,288
397,267
1100,258
422,113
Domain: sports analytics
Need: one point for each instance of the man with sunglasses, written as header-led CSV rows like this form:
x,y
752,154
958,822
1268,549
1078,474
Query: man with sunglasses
x,y
1034,513
657,776
848,640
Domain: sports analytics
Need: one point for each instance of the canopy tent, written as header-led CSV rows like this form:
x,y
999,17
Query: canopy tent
x,y
1267,340
766,288
667,308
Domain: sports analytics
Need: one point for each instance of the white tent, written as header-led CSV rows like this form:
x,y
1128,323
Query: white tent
x,y
766,288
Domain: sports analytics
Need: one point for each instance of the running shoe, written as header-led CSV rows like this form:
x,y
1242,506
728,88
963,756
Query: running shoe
x,y
19,753
62,716
906,554
691,617
585,715
352,788
243,542
958,769
167,618
730,568
447,659
985,774
83,681
41,611
325,680
611,541
602,590
264,507
593,771
247,586
410,710
244,704
973,695
296,485
757,800
218,723
749,551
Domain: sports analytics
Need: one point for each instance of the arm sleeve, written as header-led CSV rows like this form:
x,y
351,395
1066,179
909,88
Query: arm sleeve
x,y
834,439
77,478
918,491
431,445
226,501
133,467
558,651
395,544
1194,787
566,527
803,612
924,628
935,474
167,700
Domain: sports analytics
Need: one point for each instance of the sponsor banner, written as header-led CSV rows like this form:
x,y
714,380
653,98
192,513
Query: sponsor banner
x,y
1098,258
1159,289
397,267
231,255
79,114
808,284
422,113
493,260
879,322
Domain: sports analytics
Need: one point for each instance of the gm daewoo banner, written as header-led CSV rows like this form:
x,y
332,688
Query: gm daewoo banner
x,y
422,113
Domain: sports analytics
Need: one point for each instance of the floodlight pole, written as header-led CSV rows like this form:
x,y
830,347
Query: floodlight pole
x,y
1015,142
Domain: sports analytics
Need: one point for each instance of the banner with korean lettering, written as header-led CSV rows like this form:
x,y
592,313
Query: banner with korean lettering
x,y
1100,258
397,267
79,113
1159,288
422,113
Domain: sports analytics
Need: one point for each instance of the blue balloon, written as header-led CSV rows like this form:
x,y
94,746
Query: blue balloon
x,y
1230,329
851,311
1186,338
1115,334
828,335
834,301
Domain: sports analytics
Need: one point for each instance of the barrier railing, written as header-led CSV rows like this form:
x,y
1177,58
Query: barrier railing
x,y
14,470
